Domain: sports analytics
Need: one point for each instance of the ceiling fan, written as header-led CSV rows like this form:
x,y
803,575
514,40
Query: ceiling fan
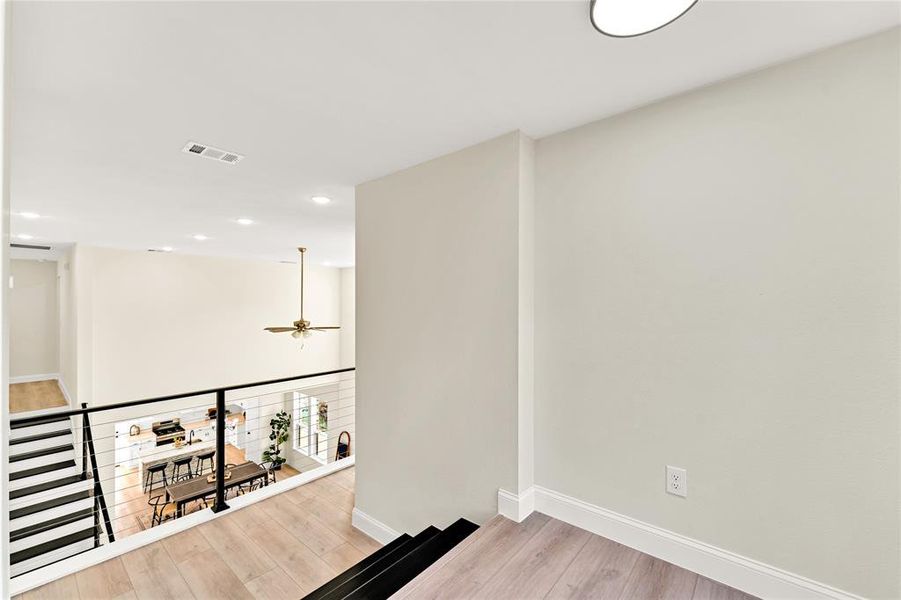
x,y
301,328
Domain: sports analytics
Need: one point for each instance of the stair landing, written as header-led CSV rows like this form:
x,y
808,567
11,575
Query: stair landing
x,y
35,395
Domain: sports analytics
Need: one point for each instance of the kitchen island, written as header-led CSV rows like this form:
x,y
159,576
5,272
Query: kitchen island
x,y
166,454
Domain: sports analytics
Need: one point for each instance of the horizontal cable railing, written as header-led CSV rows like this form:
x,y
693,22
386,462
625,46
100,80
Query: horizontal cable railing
x,y
126,474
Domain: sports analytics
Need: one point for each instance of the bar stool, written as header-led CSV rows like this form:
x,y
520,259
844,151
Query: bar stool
x,y
202,458
178,465
152,472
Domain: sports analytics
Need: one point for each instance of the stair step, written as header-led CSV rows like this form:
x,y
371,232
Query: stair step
x,y
16,475
407,568
14,424
358,568
46,505
38,491
48,547
44,560
52,529
38,437
51,475
45,456
356,581
42,452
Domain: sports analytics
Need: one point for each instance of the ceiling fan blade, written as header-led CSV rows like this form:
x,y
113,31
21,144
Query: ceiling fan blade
x,y
322,328
279,329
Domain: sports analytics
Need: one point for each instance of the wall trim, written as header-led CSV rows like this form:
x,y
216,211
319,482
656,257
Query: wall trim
x,y
30,378
729,568
54,571
516,507
65,391
373,527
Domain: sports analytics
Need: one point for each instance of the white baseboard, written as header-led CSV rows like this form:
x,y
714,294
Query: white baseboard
x,y
30,378
65,391
373,527
45,575
516,507
731,569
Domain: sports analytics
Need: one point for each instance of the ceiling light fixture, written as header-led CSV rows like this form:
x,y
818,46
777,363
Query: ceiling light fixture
x,y
321,199
25,236
244,221
166,249
628,18
29,215
200,237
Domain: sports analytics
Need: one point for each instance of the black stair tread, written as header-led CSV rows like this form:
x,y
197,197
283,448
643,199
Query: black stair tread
x,y
39,436
387,549
407,568
40,470
50,546
43,487
13,424
47,525
41,452
52,503
350,585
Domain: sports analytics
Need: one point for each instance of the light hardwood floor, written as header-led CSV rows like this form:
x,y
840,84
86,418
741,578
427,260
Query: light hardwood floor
x,y
545,558
280,548
35,395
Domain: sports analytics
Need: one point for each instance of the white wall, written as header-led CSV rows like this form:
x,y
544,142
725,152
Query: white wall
x,y
34,319
718,289
153,324
437,341
348,333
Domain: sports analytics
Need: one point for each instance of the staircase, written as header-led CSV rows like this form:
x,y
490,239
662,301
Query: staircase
x,y
51,502
393,566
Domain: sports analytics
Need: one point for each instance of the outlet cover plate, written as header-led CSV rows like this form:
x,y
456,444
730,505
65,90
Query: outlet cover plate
x,y
676,481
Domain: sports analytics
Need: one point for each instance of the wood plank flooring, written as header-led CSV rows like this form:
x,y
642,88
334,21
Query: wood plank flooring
x,y
278,548
35,395
545,558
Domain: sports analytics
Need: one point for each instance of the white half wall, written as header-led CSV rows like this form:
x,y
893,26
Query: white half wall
x,y
437,337
34,319
718,289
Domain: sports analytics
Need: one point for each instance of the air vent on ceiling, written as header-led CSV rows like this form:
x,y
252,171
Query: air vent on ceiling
x,y
29,246
217,154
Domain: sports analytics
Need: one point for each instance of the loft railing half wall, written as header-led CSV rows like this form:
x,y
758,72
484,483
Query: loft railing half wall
x,y
145,462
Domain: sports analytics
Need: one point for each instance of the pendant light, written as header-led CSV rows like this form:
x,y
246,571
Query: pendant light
x,y
628,18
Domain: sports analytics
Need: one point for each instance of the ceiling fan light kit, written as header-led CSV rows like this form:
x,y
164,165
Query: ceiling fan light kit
x,y
301,328
630,18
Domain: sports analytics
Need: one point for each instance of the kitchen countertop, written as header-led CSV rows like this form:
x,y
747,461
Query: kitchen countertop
x,y
156,455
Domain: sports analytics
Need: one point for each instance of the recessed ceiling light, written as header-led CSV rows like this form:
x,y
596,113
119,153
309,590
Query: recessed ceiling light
x,y
321,199
200,237
166,249
326,263
628,18
244,221
29,215
25,236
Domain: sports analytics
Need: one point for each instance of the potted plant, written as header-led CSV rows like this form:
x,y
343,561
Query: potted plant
x,y
280,426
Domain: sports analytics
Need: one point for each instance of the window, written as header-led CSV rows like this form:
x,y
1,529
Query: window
x,y
311,426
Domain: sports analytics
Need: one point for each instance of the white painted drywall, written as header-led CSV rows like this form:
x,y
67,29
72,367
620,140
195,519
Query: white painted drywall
x,y
34,319
153,323
718,289
437,334
348,332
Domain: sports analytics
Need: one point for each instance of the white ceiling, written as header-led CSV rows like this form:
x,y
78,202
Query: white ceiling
x,y
322,96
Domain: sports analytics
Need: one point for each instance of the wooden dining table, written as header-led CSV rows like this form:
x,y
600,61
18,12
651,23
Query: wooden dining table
x,y
198,487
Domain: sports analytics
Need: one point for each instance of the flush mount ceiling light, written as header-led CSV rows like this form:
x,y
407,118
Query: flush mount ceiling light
x,y
244,221
628,18
321,199
200,237
29,215
25,236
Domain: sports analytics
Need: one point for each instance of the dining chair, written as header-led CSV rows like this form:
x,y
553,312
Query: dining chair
x,y
159,504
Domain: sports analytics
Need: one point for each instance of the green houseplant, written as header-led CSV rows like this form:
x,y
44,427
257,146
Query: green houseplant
x,y
280,426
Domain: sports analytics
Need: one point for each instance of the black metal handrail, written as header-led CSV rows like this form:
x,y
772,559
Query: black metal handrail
x,y
57,415
88,439
99,498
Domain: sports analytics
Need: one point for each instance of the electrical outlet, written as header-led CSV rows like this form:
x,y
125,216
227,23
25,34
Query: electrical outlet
x,y
676,481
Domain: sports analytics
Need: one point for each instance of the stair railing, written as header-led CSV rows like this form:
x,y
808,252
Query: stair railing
x,y
87,445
